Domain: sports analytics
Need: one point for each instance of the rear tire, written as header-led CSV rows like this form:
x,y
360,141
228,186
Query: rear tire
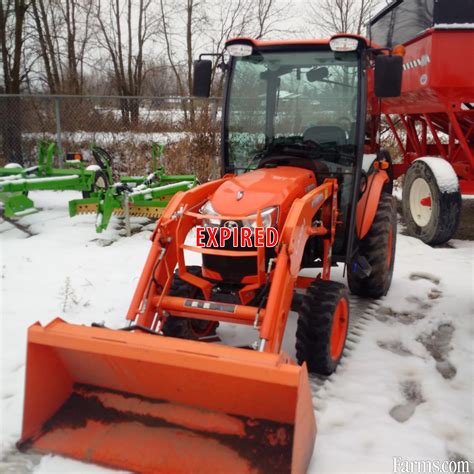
x,y
101,182
378,248
187,328
323,321
429,213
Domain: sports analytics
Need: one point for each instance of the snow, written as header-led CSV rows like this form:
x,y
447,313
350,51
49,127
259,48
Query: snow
x,y
50,179
10,178
367,160
390,396
25,212
160,188
107,138
430,288
453,26
443,172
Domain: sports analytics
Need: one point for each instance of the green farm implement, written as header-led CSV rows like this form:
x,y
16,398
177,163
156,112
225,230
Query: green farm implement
x,y
16,181
145,196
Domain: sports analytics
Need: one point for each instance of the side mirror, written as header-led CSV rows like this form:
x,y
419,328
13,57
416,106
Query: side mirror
x,y
388,76
202,78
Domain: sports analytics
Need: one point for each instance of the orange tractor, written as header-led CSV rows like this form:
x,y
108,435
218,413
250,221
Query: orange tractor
x,y
157,396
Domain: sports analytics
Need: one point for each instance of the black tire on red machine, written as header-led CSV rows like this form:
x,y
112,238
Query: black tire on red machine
x,y
323,320
431,213
187,328
378,248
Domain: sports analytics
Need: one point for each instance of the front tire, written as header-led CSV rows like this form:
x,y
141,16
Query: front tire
x,y
187,328
431,209
378,248
323,321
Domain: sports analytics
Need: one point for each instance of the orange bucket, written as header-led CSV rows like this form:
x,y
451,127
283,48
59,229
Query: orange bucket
x,y
152,404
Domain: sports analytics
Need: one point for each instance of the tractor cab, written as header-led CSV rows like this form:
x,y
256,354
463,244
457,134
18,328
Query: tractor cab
x,y
299,104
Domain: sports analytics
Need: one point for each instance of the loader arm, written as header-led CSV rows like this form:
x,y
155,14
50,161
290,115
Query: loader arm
x,y
151,302
141,401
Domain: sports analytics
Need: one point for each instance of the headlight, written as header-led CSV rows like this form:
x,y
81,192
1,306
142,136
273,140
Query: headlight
x,y
239,50
269,218
207,209
343,43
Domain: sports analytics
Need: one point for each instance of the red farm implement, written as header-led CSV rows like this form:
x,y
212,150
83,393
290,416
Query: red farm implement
x,y
432,121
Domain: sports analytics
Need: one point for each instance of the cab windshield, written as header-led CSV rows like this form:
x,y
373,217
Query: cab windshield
x,y
296,109
292,104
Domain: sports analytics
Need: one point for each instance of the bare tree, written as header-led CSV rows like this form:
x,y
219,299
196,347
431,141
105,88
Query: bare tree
x,y
256,19
232,19
62,33
77,15
125,28
341,16
47,48
269,16
12,21
193,14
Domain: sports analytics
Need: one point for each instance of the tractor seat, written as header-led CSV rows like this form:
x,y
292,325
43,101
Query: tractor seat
x,y
326,135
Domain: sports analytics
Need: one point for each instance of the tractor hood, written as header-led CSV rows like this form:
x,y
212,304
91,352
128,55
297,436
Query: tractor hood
x,y
247,193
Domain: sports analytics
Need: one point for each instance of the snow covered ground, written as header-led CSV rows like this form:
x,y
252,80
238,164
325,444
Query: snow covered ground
x,y
405,387
108,138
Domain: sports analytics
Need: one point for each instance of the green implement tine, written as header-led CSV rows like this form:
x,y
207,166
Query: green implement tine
x,y
157,151
105,208
17,205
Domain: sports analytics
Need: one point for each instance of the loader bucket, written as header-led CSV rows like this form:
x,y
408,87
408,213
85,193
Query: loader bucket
x,y
152,404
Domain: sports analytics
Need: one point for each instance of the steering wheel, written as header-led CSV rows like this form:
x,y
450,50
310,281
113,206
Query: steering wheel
x,y
313,144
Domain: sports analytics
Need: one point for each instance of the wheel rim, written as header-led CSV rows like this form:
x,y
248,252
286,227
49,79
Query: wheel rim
x,y
420,202
339,328
100,183
390,245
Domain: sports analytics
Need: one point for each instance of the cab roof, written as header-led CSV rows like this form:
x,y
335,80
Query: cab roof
x,y
282,44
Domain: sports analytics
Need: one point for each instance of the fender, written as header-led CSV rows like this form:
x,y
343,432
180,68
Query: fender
x,y
368,203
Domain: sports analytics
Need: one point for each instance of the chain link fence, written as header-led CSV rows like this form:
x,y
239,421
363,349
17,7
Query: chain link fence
x,y
124,126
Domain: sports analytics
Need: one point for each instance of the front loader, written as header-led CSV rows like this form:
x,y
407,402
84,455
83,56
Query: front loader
x,y
156,395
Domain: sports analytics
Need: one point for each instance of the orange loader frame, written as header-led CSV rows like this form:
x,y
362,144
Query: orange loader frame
x,y
254,412
149,307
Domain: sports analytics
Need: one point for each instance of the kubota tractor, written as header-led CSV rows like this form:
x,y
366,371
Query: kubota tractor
x,y
157,396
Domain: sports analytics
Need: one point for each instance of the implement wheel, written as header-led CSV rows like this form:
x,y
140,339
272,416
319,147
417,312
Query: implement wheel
x,y
187,328
431,200
378,248
323,320
101,182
